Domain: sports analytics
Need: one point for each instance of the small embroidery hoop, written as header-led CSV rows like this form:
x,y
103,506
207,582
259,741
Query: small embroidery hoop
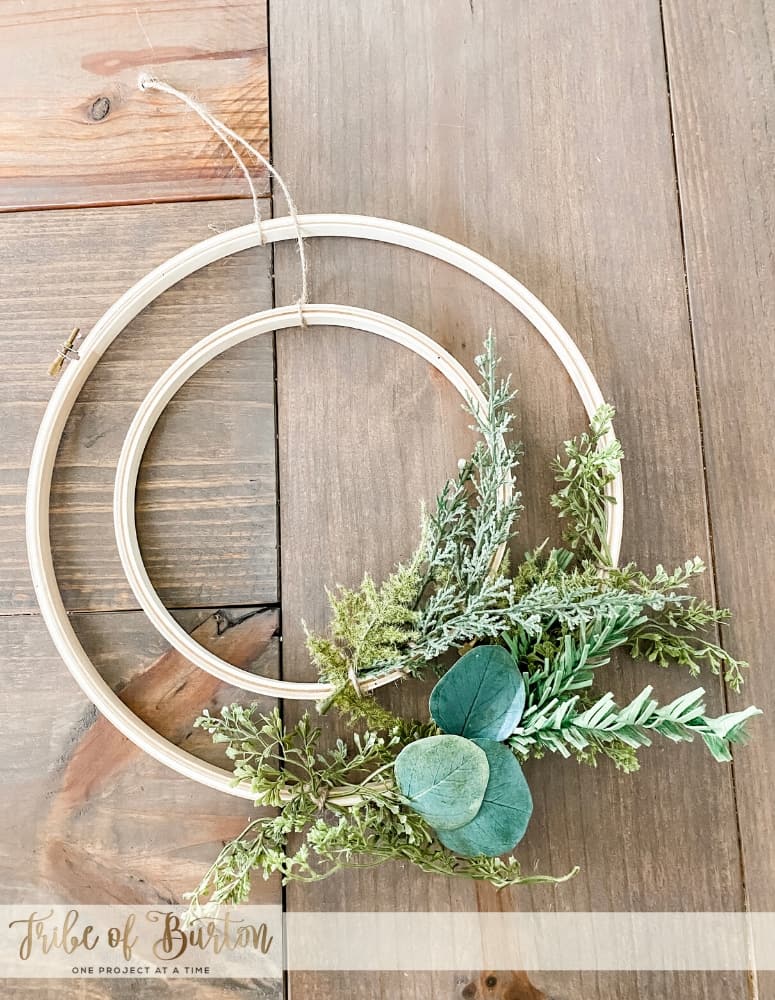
x,y
111,324
151,408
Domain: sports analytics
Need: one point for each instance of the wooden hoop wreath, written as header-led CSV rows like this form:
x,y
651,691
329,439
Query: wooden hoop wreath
x,y
111,324
151,409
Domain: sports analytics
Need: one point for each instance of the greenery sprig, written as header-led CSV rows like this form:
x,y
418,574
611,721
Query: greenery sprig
x,y
286,769
558,619
557,717
591,464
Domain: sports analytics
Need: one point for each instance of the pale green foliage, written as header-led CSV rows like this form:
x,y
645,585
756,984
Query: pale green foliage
x,y
276,761
359,833
447,595
671,637
468,526
373,624
592,464
673,634
662,582
287,769
370,627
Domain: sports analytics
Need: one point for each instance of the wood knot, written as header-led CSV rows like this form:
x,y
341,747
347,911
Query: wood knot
x,y
100,109
502,986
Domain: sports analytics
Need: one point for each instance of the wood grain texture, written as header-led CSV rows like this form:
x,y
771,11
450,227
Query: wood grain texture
x,y
541,136
88,818
78,131
723,90
207,484
542,139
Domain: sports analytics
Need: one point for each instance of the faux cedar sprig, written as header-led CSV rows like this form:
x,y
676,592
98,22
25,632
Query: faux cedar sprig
x,y
445,596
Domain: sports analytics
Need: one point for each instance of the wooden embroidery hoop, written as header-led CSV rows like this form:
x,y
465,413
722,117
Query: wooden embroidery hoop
x,y
153,405
110,325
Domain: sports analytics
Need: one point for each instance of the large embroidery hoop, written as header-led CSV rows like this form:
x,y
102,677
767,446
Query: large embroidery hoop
x,y
116,319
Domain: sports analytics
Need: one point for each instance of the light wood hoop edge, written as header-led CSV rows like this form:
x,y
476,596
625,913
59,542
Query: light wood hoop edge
x,y
116,318
150,410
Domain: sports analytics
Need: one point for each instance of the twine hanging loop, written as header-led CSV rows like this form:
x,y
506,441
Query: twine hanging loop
x,y
232,140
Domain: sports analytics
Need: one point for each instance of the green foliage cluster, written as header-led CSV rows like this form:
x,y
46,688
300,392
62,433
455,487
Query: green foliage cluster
x,y
447,595
287,769
370,628
562,614
591,464
651,618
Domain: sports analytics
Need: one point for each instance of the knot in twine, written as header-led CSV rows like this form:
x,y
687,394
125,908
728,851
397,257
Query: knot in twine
x,y
231,139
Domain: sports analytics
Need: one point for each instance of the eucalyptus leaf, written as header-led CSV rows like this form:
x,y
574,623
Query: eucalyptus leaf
x,y
443,778
481,697
505,811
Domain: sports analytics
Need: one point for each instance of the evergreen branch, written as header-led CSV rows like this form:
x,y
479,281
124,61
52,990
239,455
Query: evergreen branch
x,y
449,593
471,522
592,465
560,726
559,717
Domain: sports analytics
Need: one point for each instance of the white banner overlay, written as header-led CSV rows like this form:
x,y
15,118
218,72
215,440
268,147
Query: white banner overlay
x,y
530,941
258,942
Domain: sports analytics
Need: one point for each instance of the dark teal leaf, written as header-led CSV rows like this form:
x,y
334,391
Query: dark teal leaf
x,y
505,811
443,778
482,696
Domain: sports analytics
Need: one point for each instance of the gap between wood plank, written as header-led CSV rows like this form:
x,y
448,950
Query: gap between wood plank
x,y
753,977
128,203
212,607
278,524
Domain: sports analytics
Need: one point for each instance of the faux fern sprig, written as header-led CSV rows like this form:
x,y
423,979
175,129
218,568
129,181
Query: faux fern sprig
x,y
675,636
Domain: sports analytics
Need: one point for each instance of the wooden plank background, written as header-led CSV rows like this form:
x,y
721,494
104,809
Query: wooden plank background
x,y
76,128
721,71
617,158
